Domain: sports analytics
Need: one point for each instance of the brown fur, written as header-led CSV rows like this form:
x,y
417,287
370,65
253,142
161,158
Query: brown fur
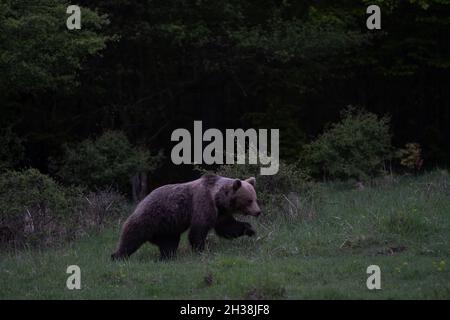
x,y
200,205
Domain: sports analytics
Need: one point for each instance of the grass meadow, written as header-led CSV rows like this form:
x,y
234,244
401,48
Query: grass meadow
x,y
401,224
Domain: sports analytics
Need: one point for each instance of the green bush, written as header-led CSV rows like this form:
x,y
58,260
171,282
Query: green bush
x,y
36,210
356,147
410,156
108,161
31,206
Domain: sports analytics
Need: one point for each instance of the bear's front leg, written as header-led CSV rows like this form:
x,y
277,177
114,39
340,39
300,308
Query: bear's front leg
x,y
203,218
229,228
197,237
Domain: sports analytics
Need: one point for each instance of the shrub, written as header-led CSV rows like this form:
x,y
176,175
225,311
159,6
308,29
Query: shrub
x,y
108,161
356,147
36,210
31,206
411,156
99,208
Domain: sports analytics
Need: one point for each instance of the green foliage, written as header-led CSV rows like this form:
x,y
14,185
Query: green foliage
x,y
356,147
22,190
31,205
36,210
410,156
109,160
38,51
296,39
421,34
260,53
285,63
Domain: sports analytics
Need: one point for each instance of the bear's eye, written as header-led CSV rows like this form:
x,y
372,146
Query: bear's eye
x,y
249,201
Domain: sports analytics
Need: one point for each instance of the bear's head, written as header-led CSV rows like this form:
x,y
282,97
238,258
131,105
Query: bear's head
x,y
243,197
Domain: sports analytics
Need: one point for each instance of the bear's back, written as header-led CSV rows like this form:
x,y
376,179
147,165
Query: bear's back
x,y
169,207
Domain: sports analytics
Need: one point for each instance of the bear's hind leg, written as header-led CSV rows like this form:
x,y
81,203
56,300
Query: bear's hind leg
x,y
128,244
168,245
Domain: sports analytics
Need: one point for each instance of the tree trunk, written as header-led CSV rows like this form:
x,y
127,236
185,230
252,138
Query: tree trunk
x,y
139,186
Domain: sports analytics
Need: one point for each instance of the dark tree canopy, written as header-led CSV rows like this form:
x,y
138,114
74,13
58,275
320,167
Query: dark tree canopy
x,y
148,67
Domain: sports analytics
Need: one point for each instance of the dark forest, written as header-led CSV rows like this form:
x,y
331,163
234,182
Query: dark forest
x,y
148,67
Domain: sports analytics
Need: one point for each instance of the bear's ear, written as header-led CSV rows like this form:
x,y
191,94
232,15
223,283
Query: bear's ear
x,y
252,181
236,184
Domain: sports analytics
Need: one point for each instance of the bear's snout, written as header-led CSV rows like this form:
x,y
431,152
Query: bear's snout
x,y
254,213
255,210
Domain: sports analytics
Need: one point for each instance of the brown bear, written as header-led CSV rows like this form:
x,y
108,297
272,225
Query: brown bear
x,y
201,205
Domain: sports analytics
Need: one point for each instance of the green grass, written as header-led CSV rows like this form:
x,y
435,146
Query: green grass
x,y
403,226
